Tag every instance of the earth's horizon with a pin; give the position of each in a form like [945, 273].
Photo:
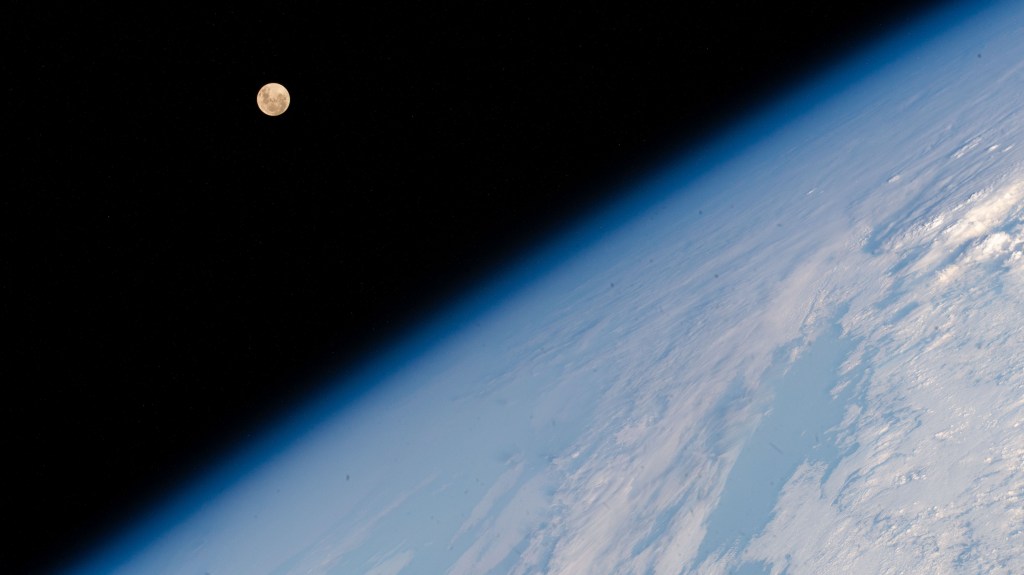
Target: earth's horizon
[801, 356]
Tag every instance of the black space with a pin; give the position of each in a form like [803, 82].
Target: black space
[177, 268]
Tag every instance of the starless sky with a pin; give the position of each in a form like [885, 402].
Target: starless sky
[178, 268]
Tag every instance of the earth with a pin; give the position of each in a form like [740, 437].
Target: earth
[800, 352]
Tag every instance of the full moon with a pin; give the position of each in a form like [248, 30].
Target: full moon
[273, 99]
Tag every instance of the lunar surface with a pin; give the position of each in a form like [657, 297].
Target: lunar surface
[273, 99]
[800, 353]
